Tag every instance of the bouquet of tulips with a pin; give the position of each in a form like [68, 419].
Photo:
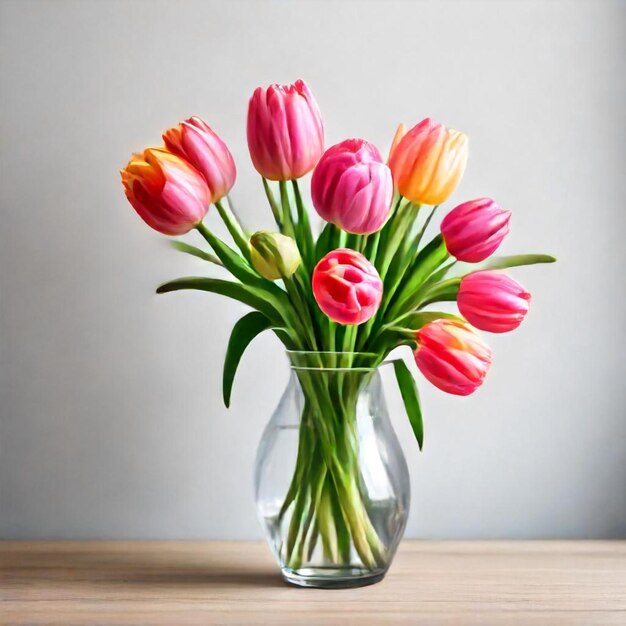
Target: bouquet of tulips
[361, 287]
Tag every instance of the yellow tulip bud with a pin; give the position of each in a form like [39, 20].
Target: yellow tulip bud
[274, 255]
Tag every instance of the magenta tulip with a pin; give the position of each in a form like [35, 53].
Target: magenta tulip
[167, 193]
[352, 187]
[474, 230]
[347, 287]
[492, 301]
[194, 141]
[452, 356]
[285, 131]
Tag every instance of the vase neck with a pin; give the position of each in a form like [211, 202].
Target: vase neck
[340, 361]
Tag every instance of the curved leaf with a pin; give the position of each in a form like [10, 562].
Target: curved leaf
[426, 262]
[416, 320]
[439, 275]
[238, 266]
[286, 339]
[243, 293]
[232, 261]
[503, 262]
[410, 396]
[445, 291]
[244, 331]
[197, 252]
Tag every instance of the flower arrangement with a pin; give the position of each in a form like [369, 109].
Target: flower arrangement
[362, 287]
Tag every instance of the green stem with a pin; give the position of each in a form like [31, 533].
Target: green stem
[302, 310]
[286, 209]
[371, 248]
[328, 487]
[234, 228]
[303, 229]
[418, 239]
[341, 528]
[273, 204]
[352, 241]
[331, 335]
[342, 239]
[231, 206]
[384, 248]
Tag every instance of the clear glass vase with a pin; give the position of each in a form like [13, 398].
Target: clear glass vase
[331, 482]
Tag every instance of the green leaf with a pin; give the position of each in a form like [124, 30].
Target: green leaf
[244, 331]
[502, 262]
[410, 396]
[233, 261]
[439, 275]
[197, 252]
[324, 241]
[286, 339]
[416, 320]
[445, 291]
[275, 296]
[427, 261]
[255, 298]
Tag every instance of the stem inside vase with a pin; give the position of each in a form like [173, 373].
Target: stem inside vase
[332, 485]
[325, 498]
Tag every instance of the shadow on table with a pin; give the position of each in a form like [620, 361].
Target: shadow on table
[136, 568]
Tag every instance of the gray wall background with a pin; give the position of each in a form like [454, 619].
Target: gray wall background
[111, 420]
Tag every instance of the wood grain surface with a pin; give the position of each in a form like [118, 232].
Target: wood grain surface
[201, 582]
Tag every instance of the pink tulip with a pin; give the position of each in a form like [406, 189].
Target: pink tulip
[492, 301]
[347, 287]
[194, 141]
[352, 187]
[452, 356]
[285, 131]
[474, 230]
[169, 195]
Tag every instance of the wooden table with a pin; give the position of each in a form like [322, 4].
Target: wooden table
[196, 582]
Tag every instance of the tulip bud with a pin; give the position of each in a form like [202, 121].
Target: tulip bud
[452, 356]
[347, 287]
[428, 162]
[274, 255]
[285, 131]
[167, 193]
[474, 230]
[492, 301]
[352, 188]
[194, 141]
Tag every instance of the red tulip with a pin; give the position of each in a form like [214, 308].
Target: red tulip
[169, 195]
[452, 356]
[194, 141]
[492, 301]
[473, 230]
[285, 131]
[352, 187]
[347, 287]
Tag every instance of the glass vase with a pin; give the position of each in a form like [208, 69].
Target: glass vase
[331, 482]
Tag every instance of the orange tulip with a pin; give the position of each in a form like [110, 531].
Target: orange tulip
[400, 132]
[167, 193]
[428, 162]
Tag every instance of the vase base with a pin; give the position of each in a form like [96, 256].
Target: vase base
[332, 577]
